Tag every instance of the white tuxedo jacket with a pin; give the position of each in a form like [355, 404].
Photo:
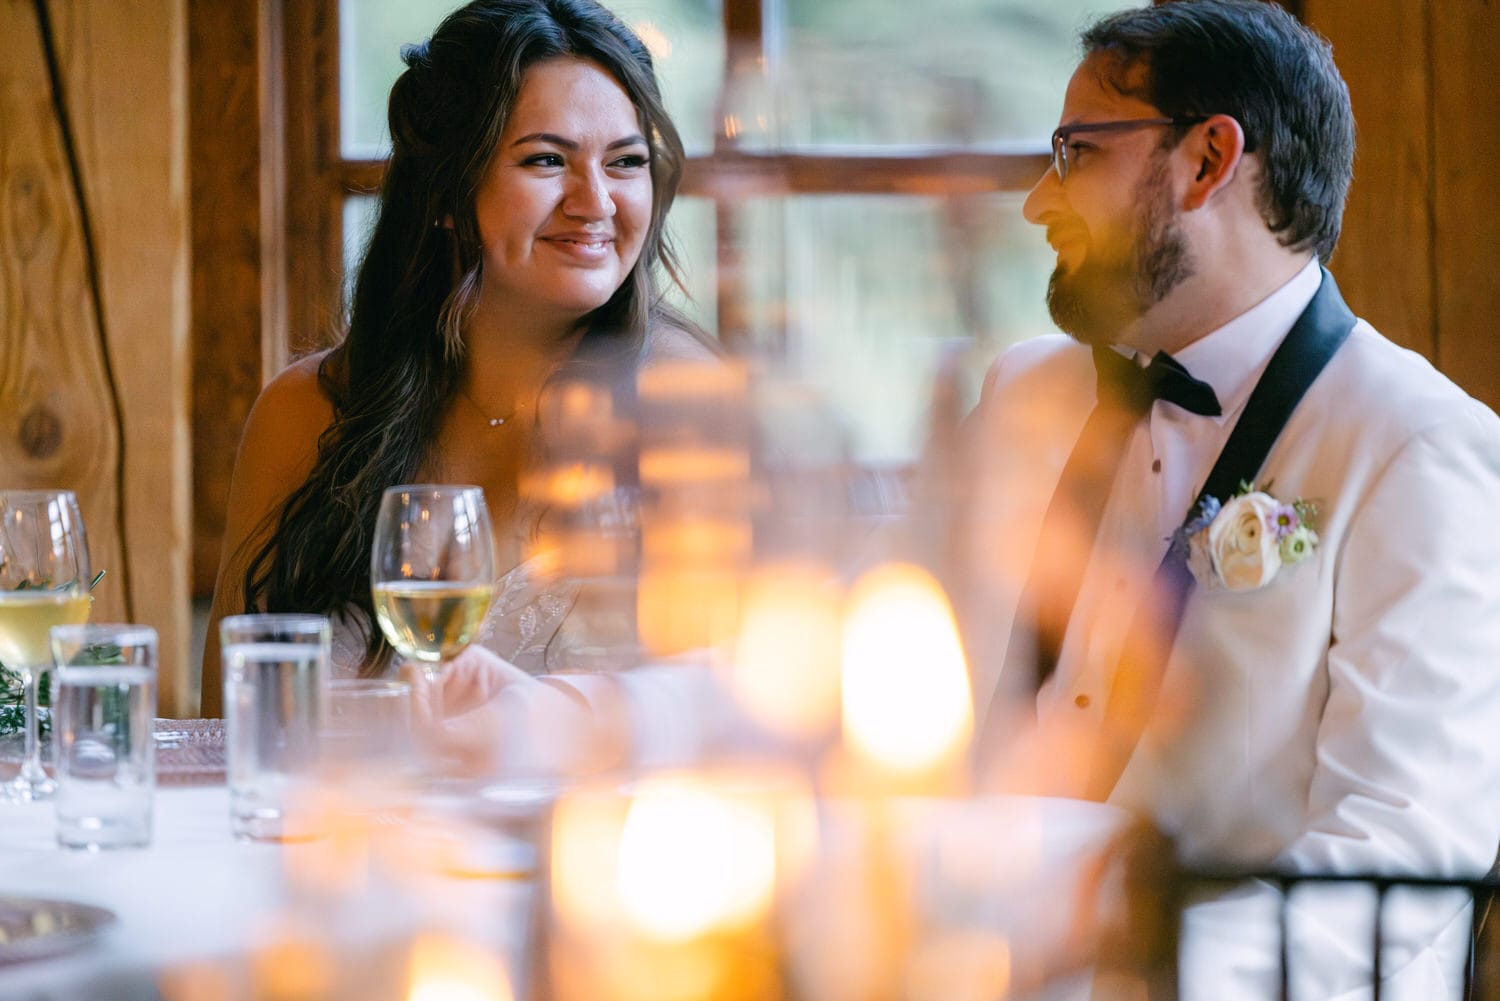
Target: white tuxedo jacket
[1344, 718]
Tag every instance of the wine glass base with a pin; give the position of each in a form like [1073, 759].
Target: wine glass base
[24, 790]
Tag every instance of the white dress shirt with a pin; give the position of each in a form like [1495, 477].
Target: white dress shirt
[1167, 459]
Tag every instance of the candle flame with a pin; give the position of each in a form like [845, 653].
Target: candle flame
[785, 668]
[446, 969]
[906, 695]
[693, 860]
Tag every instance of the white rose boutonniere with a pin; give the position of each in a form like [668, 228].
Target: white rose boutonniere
[1241, 544]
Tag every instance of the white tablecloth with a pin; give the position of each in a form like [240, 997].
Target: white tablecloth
[198, 899]
[198, 896]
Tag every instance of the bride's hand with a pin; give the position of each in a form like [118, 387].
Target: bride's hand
[468, 681]
[495, 715]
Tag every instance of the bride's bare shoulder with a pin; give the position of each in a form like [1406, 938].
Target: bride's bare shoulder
[280, 440]
[296, 394]
[669, 342]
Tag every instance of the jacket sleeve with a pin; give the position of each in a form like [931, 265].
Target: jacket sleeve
[1406, 775]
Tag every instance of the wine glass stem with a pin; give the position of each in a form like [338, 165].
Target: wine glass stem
[31, 763]
[434, 675]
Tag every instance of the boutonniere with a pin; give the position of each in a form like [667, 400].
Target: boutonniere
[1241, 544]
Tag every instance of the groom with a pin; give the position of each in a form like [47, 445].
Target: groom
[1264, 607]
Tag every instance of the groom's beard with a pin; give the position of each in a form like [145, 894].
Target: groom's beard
[1108, 291]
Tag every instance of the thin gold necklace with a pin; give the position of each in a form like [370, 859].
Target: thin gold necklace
[493, 422]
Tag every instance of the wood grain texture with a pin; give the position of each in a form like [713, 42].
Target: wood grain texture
[57, 424]
[228, 295]
[1384, 258]
[314, 191]
[60, 373]
[126, 70]
[1466, 194]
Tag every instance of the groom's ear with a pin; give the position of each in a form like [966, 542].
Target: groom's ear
[1213, 149]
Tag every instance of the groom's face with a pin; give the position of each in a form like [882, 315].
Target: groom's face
[1114, 221]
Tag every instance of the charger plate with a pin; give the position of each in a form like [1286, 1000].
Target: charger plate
[33, 927]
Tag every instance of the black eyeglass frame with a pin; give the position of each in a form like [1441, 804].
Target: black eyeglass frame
[1061, 135]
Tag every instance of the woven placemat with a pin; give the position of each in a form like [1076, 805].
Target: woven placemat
[189, 751]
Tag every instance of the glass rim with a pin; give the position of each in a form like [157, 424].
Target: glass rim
[286, 621]
[36, 493]
[396, 497]
[432, 488]
[123, 633]
[368, 685]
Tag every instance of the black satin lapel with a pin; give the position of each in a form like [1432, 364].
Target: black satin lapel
[1314, 339]
[1317, 334]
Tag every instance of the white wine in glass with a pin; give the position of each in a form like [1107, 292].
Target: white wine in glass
[432, 573]
[430, 621]
[44, 578]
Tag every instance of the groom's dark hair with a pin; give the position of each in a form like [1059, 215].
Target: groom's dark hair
[1255, 62]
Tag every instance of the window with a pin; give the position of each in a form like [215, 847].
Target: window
[852, 198]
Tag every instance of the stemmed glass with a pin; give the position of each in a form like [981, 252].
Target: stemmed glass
[432, 571]
[44, 578]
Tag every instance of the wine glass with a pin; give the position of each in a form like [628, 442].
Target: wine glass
[44, 581]
[432, 572]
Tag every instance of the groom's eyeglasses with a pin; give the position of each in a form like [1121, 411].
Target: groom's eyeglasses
[1061, 136]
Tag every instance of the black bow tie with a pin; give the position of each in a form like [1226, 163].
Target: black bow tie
[1136, 388]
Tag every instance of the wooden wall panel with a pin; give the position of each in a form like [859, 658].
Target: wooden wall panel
[314, 198]
[62, 370]
[60, 426]
[227, 236]
[127, 92]
[56, 396]
[1466, 195]
[1384, 258]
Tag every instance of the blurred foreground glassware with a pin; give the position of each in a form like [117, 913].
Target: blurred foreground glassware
[44, 575]
[667, 888]
[585, 490]
[368, 727]
[275, 673]
[599, 631]
[104, 703]
[696, 532]
[432, 571]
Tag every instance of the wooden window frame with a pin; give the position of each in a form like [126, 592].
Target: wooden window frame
[319, 178]
[270, 182]
[304, 307]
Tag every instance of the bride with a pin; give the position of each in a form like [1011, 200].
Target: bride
[519, 237]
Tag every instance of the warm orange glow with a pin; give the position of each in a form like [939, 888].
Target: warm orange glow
[906, 695]
[960, 966]
[197, 980]
[696, 540]
[585, 856]
[447, 969]
[292, 966]
[680, 855]
[684, 379]
[663, 888]
[686, 609]
[694, 860]
[571, 484]
[338, 863]
[693, 464]
[785, 670]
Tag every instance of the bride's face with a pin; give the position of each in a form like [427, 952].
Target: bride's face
[565, 203]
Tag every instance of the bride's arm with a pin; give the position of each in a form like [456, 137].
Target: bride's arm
[498, 717]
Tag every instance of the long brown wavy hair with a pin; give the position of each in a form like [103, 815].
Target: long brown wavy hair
[399, 365]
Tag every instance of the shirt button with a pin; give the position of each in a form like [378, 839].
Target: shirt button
[1156, 466]
[1081, 701]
